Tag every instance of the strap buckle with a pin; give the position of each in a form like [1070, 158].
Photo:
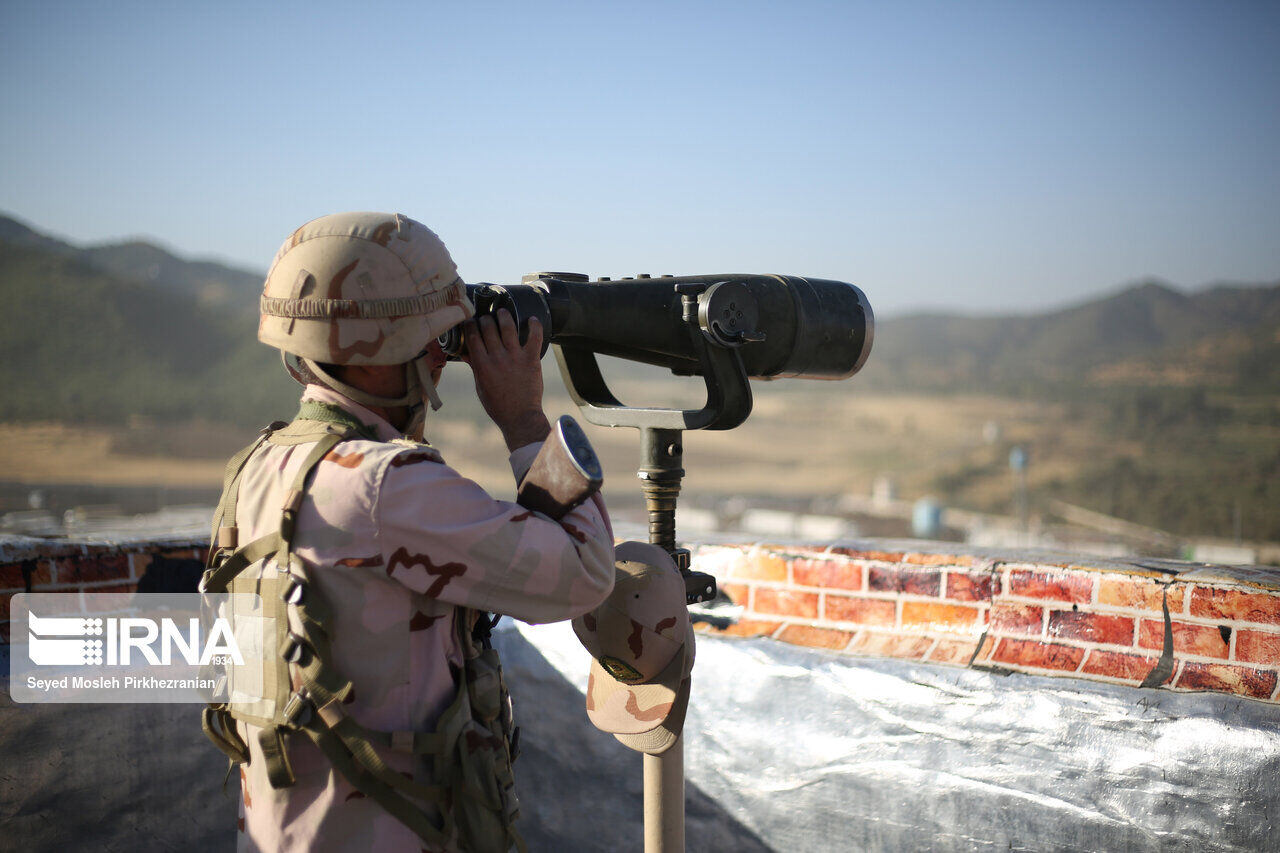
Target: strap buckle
[294, 646]
[295, 590]
[298, 710]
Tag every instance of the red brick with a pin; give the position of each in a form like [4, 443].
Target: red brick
[1242, 680]
[827, 573]
[905, 580]
[92, 568]
[739, 593]
[11, 576]
[4, 630]
[1058, 586]
[1007, 618]
[822, 638]
[891, 645]
[1118, 665]
[986, 645]
[5, 599]
[953, 651]
[1203, 640]
[1234, 604]
[1140, 594]
[745, 628]
[927, 616]
[759, 565]
[865, 611]
[785, 602]
[939, 560]
[973, 586]
[1039, 655]
[1091, 627]
[1258, 647]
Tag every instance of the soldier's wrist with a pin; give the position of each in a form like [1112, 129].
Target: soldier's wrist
[525, 429]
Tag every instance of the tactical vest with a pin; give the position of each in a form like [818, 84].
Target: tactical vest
[474, 742]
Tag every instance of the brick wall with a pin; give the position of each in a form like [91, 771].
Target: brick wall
[1101, 620]
[31, 565]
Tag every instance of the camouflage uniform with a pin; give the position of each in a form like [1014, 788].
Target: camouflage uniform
[394, 539]
[399, 541]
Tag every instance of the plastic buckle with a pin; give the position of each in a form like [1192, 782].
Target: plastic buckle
[298, 710]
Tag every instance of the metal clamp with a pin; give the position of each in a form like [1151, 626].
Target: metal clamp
[299, 708]
[295, 591]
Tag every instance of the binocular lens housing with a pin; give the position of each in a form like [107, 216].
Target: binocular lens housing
[782, 326]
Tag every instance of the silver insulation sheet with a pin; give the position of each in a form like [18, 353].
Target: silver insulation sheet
[788, 748]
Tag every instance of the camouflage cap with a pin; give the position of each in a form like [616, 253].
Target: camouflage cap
[643, 649]
[361, 288]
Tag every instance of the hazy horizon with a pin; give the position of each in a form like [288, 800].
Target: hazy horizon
[905, 312]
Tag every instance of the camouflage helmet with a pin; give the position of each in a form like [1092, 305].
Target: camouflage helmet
[361, 288]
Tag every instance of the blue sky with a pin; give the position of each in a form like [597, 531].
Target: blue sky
[975, 156]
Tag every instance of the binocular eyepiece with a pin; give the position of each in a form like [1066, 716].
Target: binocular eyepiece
[781, 326]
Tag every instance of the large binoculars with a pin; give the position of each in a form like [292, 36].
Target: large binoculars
[779, 325]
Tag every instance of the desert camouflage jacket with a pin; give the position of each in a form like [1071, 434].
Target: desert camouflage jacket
[397, 541]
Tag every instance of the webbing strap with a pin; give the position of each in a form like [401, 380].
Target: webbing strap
[289, 513]
[230, 489]
[217, 580]
[373, 787]
[279, 771]
[223, 734]
[322, 682]
[358, 746]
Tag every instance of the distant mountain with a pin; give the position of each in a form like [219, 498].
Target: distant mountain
[101, 333]
[80, 342]
[20, 234]
[1149, 333]
[211, 283]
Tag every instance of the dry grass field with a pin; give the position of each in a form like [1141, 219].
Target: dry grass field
[1197, 467]
[810, 446]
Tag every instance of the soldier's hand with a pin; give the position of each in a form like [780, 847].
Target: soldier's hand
[508, 376]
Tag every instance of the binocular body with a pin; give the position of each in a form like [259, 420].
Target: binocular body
[780, 326]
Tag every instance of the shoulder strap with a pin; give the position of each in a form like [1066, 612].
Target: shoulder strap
[230, 491]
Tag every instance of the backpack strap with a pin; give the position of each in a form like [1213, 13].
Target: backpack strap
[230, 493]
[316, 708]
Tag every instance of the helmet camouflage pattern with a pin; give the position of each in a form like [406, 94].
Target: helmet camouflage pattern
[361, 288]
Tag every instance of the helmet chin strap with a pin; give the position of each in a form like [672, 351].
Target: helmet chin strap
[418, 377]
[417, 381]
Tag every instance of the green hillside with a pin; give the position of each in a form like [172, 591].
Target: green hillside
[81, 344]
[210, 283]
[1149, 326]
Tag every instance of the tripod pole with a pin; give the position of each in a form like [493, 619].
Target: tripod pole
[660, 474]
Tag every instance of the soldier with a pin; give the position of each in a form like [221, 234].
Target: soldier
[383, 724]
